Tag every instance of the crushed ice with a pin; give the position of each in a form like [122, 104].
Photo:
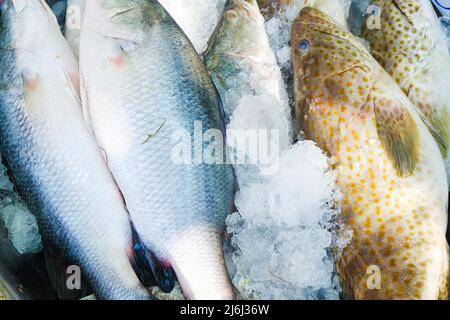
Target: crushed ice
[283, 234]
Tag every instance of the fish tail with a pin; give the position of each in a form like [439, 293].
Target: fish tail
[148, 268]
[200, 266]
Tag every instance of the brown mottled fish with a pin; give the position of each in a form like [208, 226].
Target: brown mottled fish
[410, 45]
[390, 170]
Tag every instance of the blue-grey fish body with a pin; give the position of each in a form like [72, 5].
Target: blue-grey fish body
[53, 157]
[143, 82]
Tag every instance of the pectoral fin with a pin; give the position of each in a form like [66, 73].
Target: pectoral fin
[398, 133]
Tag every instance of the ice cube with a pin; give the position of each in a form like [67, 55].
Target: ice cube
[21, 224]
[285, 229]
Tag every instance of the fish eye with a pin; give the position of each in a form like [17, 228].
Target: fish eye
[304, 46]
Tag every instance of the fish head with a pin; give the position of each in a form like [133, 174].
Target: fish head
[332, 68]
[240, 17]
[24, 25]
[242, 9]
[241, 23]
[125, 20]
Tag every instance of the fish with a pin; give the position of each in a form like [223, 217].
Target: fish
[74, 23]
[410, 45]
[390, 170]
[239, 57]
[245, 71]
[52, 156]
[143, 83]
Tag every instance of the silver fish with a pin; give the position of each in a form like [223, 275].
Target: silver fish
[53, 157]
[143, 81]
[240, 59]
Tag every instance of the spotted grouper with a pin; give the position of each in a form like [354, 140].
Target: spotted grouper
[390, 169]
[409, 43]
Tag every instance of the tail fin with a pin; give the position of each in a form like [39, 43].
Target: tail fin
[148, 268]
[200, 266]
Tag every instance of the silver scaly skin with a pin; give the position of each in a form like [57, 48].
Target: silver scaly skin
[54, 159]
[142, 81]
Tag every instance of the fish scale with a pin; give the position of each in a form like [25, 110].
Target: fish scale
[390, 170]
[143, 82]
[53, 157]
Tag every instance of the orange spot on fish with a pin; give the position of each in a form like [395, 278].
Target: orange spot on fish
[117, 59]
[377, 210]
